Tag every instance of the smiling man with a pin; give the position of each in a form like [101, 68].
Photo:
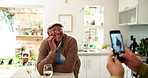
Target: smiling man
[60, 50]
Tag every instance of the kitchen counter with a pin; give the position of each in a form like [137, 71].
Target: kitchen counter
[9, 71]
[6, 71]
[21, 73]
[98, 52]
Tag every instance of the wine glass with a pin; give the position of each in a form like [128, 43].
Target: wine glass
[48, 70]
[30, 68]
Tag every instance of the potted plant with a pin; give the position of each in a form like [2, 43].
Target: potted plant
[143, 47]
[29, 31]
[6, 61]
[1, 61]
[39, 24]
[17, 61]
[33, 59]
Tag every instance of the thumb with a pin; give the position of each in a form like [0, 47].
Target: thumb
[117, 61]
[126, 56]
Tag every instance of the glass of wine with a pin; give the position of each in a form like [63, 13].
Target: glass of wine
[30, 68]
[48, 70]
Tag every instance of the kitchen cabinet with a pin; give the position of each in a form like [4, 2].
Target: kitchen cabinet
[103, 70]
[90, 66]
[133, 12]
[127, 72]
[93, 65]
[124, 4]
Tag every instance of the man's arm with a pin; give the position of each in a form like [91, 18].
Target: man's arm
[46, 56]
[71, 56]
[115, 77]
[143, 73]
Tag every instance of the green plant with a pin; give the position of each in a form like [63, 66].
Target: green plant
[39, 24]
[7, 19]
[6, 60]
[33, 58]
[88, 12]
[23, 48]
[1, 60]
[10, 59]
[29, 31]
[143, 47]
[17, 61]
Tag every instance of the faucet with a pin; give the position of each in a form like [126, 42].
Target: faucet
[134, 44]
[86, 48]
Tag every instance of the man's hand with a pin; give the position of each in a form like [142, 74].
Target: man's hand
[114, 66]
[51, 41]
[131, 60]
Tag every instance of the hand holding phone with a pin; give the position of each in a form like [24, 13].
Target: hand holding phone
[117, 44]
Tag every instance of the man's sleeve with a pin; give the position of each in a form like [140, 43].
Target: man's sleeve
[143, 73]
[115, 77]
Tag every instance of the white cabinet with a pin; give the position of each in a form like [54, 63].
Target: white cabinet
[124, 4]
[127, 72]
[103, 70]
[133, 12]
[90, 66]
[94, 66]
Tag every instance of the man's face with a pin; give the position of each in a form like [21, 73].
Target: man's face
[57, 32]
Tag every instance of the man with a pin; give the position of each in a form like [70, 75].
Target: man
[60, 50]
[116, 70]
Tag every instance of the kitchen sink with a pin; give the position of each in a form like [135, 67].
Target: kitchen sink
[86, 51]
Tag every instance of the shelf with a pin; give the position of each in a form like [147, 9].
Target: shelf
[29, 28]
[25, 57]
[28, 36]
[18, 53]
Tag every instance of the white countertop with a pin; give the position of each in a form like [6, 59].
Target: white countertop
[21, 73]
[6, 71]
[98, 52]
[9, 71]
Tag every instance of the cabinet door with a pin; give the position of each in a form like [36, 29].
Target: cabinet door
[103, 70]
[123, 18]
[127, 72]
[82, 72]
[93, 66]
[124, 4]
[90, 67]
[129, 16]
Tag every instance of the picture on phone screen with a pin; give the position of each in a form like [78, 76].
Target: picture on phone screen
[117, 44]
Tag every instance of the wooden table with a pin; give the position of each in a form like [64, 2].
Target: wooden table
[21, 73]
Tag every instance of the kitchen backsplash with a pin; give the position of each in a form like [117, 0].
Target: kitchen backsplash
[138, 32]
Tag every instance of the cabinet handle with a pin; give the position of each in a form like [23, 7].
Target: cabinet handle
[126, 7]
[84, 63]
[89, 64]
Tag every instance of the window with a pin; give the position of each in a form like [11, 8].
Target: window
[94, 37]
[94, 15]
[6, 21]
[93, 18]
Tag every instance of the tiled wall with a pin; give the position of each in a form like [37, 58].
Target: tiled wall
[139, 32]
[23, 20]
[31, 43]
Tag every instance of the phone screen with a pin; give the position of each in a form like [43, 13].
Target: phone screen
[117, 44]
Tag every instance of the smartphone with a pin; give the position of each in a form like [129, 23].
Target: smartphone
[117, 44]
